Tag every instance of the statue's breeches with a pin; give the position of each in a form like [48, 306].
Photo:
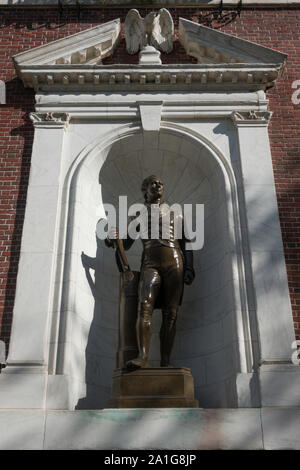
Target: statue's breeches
[161, 276]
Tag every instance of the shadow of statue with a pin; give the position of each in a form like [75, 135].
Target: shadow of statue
[127, 314]
[92, 400]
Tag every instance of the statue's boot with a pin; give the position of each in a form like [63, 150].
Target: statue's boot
[138, 363]
[167, 336]
[144, 332]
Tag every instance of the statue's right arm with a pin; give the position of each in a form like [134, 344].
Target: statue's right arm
[113, 234]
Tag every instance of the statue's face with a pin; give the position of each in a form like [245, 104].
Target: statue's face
[155, 189]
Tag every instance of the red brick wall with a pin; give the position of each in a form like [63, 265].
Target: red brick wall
[278, 29]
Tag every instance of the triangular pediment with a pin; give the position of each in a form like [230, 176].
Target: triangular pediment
[210, 46]
[75, 63]
[86, 47]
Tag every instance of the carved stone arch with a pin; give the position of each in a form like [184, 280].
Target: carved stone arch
[202, 326]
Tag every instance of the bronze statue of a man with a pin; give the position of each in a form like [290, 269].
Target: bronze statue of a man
[166, 266]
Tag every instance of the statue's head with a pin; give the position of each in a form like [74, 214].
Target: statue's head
[152, 188]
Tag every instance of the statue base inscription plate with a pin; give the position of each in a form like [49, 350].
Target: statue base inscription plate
[153, 387]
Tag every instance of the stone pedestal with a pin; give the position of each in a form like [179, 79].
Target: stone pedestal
[164, 387]
[149, 56]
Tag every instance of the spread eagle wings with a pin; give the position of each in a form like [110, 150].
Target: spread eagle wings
[135, 34]
[163, 31]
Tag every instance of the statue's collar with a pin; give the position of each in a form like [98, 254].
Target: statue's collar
[149, 204]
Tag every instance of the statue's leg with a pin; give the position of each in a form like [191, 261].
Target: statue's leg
[144, 333]
[148, 291]
[167, 334]
[173, 284]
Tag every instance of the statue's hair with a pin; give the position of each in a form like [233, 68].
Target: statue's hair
[146, 182]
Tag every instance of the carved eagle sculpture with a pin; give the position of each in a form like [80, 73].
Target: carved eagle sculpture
[156, 29]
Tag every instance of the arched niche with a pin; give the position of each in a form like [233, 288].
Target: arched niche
[212, 323]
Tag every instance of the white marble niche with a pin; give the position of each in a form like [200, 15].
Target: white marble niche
[210, 339]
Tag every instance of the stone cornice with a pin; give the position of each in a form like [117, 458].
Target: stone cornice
[136, 77]
[74, 63]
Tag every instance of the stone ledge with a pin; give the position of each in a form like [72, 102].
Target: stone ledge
[132, 429]
[193, 429]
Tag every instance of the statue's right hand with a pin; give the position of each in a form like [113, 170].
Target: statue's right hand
[113, 233]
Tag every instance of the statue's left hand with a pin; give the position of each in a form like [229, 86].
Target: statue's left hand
[189, 277]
